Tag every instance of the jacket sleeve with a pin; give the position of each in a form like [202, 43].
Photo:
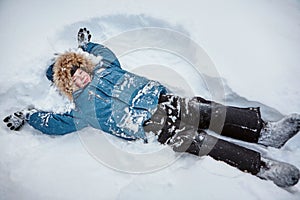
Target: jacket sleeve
[56, 124]
[108, 57]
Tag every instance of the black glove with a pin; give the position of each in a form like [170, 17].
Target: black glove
[83, 37]
[18, 119]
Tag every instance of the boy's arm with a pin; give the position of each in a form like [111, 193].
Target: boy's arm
[108, 57]
[56, 124]
[47, 122]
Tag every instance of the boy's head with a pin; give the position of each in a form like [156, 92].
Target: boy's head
[72, 71]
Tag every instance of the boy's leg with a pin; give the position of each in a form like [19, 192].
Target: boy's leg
[246, 123]
[238, 123]
[247, 160]
[200, 144]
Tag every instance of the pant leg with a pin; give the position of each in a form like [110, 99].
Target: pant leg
[245, 159]
[243, 124]
[239, 123]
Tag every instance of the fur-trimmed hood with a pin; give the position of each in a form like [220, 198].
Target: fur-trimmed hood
[62, 70]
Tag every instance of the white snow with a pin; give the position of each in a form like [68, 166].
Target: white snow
[255, 48]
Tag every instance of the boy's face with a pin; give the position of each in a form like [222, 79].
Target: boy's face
[81, 78]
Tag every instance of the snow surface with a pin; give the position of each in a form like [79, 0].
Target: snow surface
[255, 48]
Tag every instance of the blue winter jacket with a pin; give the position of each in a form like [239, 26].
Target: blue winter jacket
[115, 101]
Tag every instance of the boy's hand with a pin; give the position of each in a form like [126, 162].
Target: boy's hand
[83, 37]
[16, 120]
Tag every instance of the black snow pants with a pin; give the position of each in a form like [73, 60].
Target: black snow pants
[180, 123]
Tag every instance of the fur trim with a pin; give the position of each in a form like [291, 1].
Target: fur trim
[62, 70]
